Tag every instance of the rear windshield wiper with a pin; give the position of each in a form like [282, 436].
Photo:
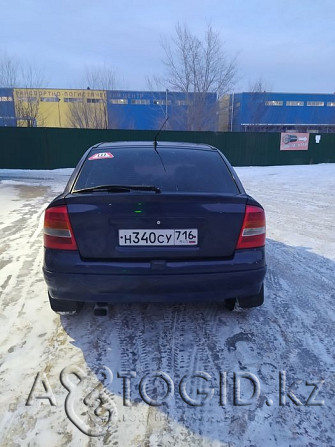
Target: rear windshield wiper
[119, 188]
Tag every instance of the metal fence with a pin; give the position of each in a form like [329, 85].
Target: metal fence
[52, 148]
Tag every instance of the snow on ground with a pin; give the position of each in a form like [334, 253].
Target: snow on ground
[307, 193]
[287, 344]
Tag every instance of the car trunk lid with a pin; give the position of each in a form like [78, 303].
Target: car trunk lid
[99, 219]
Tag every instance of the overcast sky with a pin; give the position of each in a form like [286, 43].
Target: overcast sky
[289, 43]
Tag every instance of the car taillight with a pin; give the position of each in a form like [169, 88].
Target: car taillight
[253, 229]
[58, 232]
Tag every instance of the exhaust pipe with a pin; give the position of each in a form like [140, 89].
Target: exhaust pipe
[100, 309]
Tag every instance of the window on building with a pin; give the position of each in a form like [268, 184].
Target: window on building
[94, 100]
[118, 101]
[181, 102]
[315, 103]
[331, 104]
[73, 100]
[273, 103]
[140, 101]
[28, 98]
[51, 99]
[159, 102]
[295, 103]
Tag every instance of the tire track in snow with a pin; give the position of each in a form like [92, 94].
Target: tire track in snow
[292, 332]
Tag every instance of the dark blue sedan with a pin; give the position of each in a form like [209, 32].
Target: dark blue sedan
[153, 222]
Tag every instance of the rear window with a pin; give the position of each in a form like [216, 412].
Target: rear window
[172, 170]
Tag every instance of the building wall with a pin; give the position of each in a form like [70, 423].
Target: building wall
[270, 111]
[108, 109]
[7, 110]
[137, 110]
[59, 107]
[141, 110]
[148, 110]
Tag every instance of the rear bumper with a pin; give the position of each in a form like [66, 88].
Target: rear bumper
[70, 278]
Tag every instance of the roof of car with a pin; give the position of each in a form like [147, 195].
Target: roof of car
[160, 144]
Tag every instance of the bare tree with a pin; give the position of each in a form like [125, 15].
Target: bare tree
[9, 72]
[259, 85]
[88, 112]
[197, 67]
[28, 96]
[101, 78]
[26, 79]
[91, 112]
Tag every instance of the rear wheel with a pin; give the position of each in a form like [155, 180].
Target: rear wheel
[253, 300]
[65, 307]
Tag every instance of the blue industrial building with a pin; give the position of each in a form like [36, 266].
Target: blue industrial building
[281, 112]
[124, 109]
[143, 110]
[147, 110]
[7, 109]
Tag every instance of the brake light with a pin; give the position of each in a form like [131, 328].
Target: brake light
[253, 229]
[58, 232]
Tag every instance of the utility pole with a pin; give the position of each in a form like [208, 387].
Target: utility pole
[166, 103]
[232, 112]
[59, 120]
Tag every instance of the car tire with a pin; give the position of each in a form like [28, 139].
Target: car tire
[253, 300]
[65, 307]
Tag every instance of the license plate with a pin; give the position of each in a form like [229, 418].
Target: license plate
[188, 236]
